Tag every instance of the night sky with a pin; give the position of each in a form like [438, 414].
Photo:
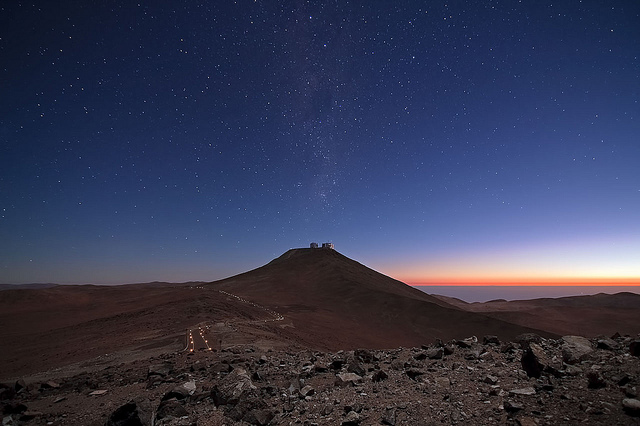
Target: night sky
[433, 141]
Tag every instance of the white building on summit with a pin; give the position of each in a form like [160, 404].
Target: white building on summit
[324, 246]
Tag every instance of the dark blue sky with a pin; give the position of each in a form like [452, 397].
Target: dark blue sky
[429, 140]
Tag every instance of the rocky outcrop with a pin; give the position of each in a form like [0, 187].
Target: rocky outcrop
[533, 381]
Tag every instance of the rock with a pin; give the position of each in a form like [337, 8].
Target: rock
[491, 340]
[347, 379]
[365, 356]
[474, 352]
[435, 353]
[171, 408]
[19, 386]
[575, 349]
[355, 367]
[631, 407]
[161, 370]
[523, 391]
[443, 382]
[379, 376]
[49, 385]
[320, 367]
[491, 380]
[595, 380]
[508, 347]
[6, 392]
[352, 419]
[98, 392]
[307, 391]
[232, 388]
[127, 415]
[336, 364]
[14, 408]
[260, 417]
[572, 370]
[29, 415]
[512, 407]
[527, 421]
[526, 338]
[414, 373]
[607, 344]
[466, 343]
[179, 393]
[634, 347]
[389, 416]
[534, 360]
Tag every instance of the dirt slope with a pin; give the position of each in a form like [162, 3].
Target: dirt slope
[336, 303]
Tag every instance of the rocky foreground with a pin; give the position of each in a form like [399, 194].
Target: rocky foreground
[532, 381]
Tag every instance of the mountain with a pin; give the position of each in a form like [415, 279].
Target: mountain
[317, 299]
[591, 315]
[337, 303]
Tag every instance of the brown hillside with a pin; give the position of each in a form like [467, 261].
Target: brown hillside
[592, 315]
[336, 303]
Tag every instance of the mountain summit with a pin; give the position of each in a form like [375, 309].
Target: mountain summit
[334, 302]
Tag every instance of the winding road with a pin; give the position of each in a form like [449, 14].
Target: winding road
[201, 336]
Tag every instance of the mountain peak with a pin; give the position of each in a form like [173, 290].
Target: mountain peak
[335, 302]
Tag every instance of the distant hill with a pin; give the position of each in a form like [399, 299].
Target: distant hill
[592, 315]
[25, 286]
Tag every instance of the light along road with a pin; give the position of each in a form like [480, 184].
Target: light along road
[274, 315]
[199, 338]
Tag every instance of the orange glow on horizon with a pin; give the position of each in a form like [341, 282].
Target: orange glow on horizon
[573, 281]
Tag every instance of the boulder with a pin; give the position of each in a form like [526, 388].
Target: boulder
[161, 370]
[181, 392]
[49, 385]
[364, 355]
[128, 414]
[534, 360]
[631, 407]
[19, 386]
[491, 340]
[512, 406]
[595, 380]
[232, 388]
[414, 373]
[347, 379]
[171, 408]
[307, 391]
[466, 343]
[491, 380]
[435, 353]
[526, 338]
[261, 417]
[523, 391]
[575, 349]
[379, 376]
[351, 419]
[634, 348]
[389, 416]
[607, 344]
[355, 367]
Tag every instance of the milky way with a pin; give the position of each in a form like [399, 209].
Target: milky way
[150, 141]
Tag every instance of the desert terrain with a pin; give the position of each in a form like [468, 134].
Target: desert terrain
[312, 337]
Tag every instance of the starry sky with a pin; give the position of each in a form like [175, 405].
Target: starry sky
[436, 142]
